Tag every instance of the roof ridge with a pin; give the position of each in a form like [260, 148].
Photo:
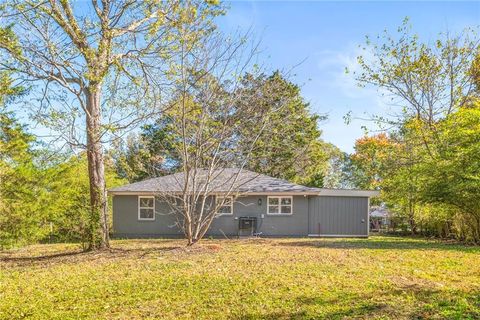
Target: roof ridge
[248, 180]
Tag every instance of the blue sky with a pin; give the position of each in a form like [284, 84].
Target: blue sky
[326, 35]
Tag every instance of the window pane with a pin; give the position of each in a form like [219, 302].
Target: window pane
[286, 201]
[272, 201]
[272, 209]
[286, 209]
[226, 201]
[146, 213]
[225, 210]
[146, 202]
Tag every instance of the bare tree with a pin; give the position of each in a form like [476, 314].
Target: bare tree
[424, 80]
[208, 118]
[99, 62]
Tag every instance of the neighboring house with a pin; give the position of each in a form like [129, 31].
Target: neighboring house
[380, 218]
[270, 206]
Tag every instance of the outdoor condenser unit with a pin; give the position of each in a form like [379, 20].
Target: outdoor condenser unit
[247, 226]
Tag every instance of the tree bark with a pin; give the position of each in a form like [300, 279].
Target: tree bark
[411, 217]
[99, 236]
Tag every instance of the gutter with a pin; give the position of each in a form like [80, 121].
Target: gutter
[322, 192]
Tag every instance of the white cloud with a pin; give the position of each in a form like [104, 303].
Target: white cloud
[336, 64]
[337, 93]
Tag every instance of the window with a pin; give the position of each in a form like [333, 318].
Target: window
[280, 205]
[146, 208]
[227, 207]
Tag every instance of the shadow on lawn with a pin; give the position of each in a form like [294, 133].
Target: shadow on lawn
[79, 255]
[345, 306]
[395, 244]
[307, 308]
[426, 303]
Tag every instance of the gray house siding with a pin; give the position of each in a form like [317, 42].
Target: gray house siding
[126, 223]
[295, 224]
[334, 216]
[311, 215]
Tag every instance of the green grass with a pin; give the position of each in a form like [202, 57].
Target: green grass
[376, 278]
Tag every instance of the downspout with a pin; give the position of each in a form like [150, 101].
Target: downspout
[368, 217]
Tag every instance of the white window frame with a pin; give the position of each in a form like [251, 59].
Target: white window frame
[278, 213]
[140, 207]
[219, 214]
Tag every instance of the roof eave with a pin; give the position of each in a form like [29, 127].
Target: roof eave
[349, 193]
[253, 193]
[321, 192]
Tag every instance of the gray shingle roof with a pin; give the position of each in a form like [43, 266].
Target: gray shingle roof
[222, 179]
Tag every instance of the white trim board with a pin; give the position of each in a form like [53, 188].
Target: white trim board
[225, 205]
[279, 206]
[139, 218]
[322, 193]
[348, 193]
[235, 194]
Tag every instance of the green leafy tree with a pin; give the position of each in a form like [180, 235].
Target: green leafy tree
[67, 201]
[131, 158]
[419, 169]
[21, 209]
[99, 65]
[390, 162]
[424, 81]
[341, 171]
[453, 176]
[149, 154]
[290, 147]
[19, 197]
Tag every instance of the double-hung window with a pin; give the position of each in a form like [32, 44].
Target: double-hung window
[146, 208]
[280, 205]
[227, 206]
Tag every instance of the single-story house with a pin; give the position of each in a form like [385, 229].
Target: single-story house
[264, 205]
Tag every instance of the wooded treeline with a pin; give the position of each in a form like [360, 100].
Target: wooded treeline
[427, 163]
[44, 194]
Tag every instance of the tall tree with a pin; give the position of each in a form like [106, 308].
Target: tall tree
[340, 172]
[66, 202]
[372, 160]
[149, 154]
[452, 178]
[99, 63]
[429, 86]
[421, 80]
[290, 147]
[17, 170]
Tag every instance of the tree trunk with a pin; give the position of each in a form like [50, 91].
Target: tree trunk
[411, 217]
[98, 237]
[476, 231]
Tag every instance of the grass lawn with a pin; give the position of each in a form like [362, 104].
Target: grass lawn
[376, 278]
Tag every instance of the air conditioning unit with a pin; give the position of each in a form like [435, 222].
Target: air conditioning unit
[247, 226]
